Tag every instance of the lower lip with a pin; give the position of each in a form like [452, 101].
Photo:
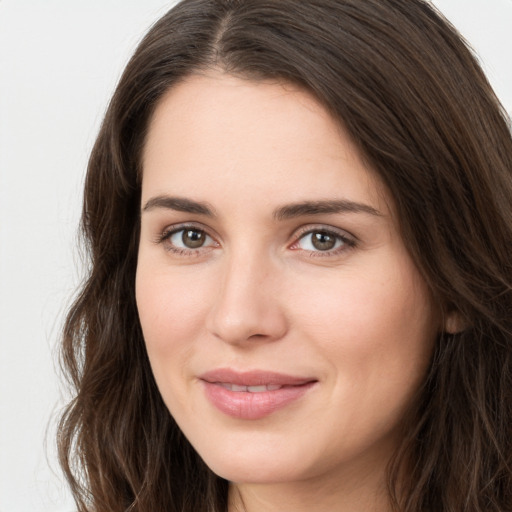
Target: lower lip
[253, 406]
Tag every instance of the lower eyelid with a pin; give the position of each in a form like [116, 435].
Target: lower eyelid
[332, 253]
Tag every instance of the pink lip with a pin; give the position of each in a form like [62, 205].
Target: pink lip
[253, 405]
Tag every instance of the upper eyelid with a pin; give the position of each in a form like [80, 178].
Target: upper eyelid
[311, 228]
[173, 228]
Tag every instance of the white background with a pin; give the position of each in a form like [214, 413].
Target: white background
[59, 62]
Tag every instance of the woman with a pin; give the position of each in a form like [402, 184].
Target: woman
[299, 221]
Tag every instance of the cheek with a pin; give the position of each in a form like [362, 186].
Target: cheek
[377, 334]
[171, 312]
[363, 305]
[373, 322]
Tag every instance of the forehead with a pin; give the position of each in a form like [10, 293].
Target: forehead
[221, 134]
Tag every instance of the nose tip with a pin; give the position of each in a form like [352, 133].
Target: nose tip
[235, 328]
[247, 308]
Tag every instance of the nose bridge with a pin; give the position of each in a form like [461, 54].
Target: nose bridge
[247, 305]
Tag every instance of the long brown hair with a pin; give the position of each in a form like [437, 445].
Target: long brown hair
[407, 89]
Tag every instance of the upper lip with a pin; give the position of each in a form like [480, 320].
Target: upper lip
[253, 378]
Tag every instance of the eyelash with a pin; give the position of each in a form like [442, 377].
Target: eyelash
[168, 233]
[345, 242]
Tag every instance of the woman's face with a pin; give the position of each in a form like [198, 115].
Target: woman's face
[286, 324]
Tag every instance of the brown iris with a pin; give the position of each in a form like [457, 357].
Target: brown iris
[193, 238]
[323, 241]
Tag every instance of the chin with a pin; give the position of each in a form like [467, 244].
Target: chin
[256, 473]
[255, 465]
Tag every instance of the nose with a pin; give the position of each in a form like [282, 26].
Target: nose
[248, 305]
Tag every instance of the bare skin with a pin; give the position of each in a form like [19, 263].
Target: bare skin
[268, 246]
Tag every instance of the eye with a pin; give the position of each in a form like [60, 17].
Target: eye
[323, 241]
[189, 238]
[186, 240]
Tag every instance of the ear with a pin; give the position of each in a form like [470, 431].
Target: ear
[454, 323]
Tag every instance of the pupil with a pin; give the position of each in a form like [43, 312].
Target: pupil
[323, 241]
[192, 238]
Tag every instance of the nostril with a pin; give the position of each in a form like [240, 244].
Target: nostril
[255, 326]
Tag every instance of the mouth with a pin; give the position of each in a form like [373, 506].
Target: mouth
[248, 389]
[253, 379]
[253, 395]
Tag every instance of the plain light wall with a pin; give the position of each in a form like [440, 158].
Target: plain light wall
[59, 63]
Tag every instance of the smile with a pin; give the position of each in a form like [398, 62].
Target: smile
[253, 395]
[249, 389]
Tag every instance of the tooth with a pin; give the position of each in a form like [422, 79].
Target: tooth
[256, 389]
[250, 389]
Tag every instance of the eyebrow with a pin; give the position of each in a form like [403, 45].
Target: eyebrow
[323, 207]
[179, 204]
[289, 211]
